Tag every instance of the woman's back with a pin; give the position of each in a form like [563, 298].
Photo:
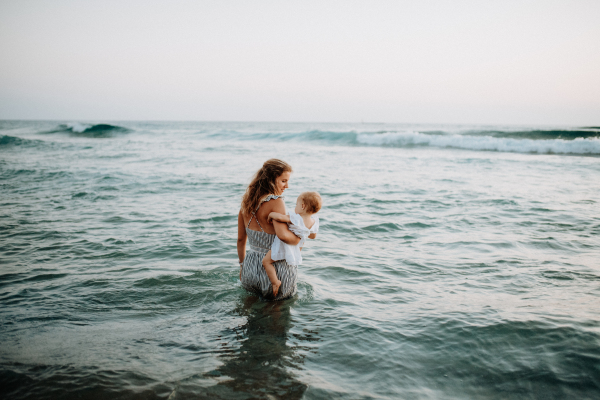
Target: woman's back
[275, 204]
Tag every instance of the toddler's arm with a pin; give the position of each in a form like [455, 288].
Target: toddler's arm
[278, 217]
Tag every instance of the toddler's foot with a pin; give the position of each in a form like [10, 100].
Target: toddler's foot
[276, 288]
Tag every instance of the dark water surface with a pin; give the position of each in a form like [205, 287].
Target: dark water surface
[452, 262]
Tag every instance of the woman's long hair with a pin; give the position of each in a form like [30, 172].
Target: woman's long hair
[263, 183]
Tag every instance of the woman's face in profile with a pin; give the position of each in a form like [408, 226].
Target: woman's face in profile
[281, 183]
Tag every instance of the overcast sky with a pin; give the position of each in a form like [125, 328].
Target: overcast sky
[510, 62]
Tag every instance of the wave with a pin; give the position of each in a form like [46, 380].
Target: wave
[6, 140]
[579, 141]
[578, 145]
[566, 134]
[10, 140]
[90, 130]
[583, 140]
[330, 136]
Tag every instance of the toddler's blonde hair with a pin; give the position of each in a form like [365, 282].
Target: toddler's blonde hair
[312, 201]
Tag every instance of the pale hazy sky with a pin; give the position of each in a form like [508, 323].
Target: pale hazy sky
[512, 62]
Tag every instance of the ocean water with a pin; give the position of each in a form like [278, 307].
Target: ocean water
[453, 262]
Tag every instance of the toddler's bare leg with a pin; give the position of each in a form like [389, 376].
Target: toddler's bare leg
[271, 273]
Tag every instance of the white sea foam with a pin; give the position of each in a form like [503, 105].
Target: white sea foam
[78, 127]
[411, 138]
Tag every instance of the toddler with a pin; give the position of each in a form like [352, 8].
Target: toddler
[304, 224]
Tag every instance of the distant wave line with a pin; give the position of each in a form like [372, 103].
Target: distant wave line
[489, 143]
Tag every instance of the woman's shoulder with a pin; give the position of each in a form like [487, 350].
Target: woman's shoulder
[270, 197]
[273, 202]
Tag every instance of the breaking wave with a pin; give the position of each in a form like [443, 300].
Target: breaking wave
[566, 134]
[90, 130]
[6, 140]
[584, 141]
[578, 145]
[574, 141]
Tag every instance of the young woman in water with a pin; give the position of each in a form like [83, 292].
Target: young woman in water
[264, 196]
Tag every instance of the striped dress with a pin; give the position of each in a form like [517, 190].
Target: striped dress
[254, 276]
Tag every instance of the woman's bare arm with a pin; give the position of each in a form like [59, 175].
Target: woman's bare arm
[278, 217]
[281, 229]
[241, 240]
[284, 234]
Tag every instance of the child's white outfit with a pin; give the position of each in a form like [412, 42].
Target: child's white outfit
[291, 254]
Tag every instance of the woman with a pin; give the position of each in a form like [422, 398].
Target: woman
[263, 196]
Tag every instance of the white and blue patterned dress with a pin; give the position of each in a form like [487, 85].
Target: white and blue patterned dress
[254, 276]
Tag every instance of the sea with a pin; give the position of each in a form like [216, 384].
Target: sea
[452, 262]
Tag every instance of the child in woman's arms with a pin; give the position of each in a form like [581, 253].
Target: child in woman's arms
[304, 224]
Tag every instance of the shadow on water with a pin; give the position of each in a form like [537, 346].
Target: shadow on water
[263, 365]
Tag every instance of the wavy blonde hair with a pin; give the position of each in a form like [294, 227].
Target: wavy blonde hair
[263, 183]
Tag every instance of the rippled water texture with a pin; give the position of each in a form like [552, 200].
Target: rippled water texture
[452, 262]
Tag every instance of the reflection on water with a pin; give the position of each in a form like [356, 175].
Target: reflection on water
[263, 365]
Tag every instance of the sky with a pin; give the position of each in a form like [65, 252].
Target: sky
[480, 62]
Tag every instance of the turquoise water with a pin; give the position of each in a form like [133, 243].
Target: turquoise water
[452, 262]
